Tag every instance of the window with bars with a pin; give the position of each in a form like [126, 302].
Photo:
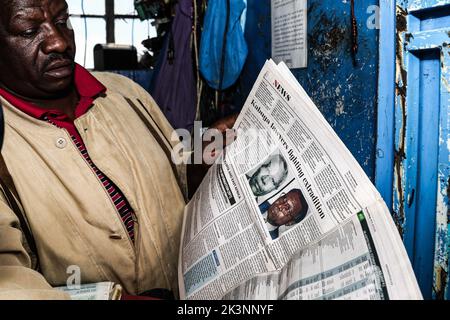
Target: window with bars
[106, 21]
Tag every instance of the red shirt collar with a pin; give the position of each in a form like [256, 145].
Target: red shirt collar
[88, 88]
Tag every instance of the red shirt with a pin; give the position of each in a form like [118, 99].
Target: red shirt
[88, 87]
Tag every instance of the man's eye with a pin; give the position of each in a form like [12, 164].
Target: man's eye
[29, 33]
[267, 180]
[61, 21]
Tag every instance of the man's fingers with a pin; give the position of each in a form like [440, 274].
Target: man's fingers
[226, 123]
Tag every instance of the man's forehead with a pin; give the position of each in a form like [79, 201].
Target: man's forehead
[16, 6]
[293, 195]
[275, 165]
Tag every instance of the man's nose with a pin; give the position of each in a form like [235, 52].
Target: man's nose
[54, 41]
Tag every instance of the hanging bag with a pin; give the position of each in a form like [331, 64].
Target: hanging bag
[223, 55]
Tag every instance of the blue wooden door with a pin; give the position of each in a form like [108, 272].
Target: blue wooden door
[422, 139]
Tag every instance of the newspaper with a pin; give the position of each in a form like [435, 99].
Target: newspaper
[289, 32]
[288, 213]
[96, 291]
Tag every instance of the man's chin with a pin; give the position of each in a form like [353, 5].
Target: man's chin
[57, 89]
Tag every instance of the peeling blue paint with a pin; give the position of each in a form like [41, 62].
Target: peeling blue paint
[425, 4]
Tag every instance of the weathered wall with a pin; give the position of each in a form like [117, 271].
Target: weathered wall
[345, 94]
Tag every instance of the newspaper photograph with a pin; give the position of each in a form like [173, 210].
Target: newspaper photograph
[288, 213]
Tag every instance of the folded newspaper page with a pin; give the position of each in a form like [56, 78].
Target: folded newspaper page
[95, 291]
[288, 213]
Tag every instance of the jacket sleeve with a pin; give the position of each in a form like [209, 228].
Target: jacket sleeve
[17, 280]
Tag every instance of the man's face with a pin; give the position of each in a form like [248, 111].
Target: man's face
[285, 209]
[268, 177]
[37, 48]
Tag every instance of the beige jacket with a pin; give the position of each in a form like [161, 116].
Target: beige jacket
[72, 218]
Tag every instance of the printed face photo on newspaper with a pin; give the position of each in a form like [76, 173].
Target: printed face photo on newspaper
[269, 176]
[280, 201]
[288, 210]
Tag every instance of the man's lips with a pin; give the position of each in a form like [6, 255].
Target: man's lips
[59, 69]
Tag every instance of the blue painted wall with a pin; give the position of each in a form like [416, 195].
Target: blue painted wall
[346, 95]
[142, 77]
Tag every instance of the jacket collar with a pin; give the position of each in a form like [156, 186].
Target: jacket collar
[87, 86]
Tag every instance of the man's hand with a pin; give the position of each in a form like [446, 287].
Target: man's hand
[226, 123]
[225, 128]
[196, 171]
